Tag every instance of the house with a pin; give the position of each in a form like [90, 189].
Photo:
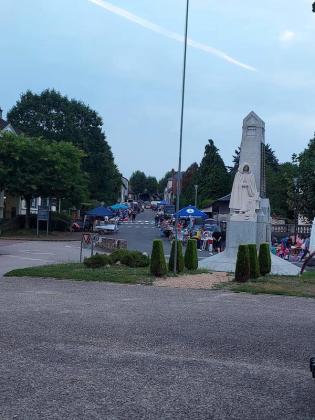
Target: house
[124, 190]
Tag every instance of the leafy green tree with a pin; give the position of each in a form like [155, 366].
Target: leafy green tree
[151, 185]
[33, 167]
[55, 117]
[138, 182]
[189, 180]
[213, 177]
[307, 180]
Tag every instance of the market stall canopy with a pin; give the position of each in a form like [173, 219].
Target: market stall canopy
[100, 212]
[119, 206]
[162, 203]
[190, 211]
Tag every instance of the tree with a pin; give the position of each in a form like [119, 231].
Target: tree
[138, 182]
[213, 177]
[151, 185]
[55, 117]
[307, 180]
[33, 167]
[189, 180]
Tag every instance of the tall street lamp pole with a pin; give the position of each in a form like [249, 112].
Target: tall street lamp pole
[181, 136]
[196, 194]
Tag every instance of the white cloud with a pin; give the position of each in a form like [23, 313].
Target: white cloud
[287, 36]
[168, 34]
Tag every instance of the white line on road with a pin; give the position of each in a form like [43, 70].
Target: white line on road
[30, 259]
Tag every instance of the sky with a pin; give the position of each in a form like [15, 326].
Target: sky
[124, 59]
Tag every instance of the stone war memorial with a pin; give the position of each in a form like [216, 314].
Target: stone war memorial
[249, 220]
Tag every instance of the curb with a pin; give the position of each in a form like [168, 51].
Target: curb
[13, 238]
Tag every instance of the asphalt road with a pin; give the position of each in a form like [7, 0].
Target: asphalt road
[76, 350]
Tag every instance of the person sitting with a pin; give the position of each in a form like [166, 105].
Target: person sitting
[217, 236]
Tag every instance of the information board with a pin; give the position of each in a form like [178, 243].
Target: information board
[169, 209]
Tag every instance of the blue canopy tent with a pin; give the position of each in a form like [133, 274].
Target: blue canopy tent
[190, 211]
[100, 212]
[162, 203]
[119, 207]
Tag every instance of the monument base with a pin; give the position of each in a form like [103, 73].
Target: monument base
[224, 261]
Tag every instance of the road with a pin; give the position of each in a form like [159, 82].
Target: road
[19, 254]
[76, 350]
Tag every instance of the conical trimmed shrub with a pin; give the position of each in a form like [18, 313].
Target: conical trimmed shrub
[253, 261]
[264, 259]
[158, 264]
[242, 269]
[191, 256]
[180, 258]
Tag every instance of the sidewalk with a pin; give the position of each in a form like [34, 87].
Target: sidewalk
[52, 237]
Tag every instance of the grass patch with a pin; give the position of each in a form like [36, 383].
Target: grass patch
[77, 271]
[301, 286]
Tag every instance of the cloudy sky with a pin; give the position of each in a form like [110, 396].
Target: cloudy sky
[124, 59]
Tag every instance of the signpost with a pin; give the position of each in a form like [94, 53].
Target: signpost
[88, 241]
[170, 209]
[43, 216]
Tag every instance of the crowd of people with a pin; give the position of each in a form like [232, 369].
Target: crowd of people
[211, 240]
[291, 248]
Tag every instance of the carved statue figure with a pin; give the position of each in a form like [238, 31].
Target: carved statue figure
[244, 197]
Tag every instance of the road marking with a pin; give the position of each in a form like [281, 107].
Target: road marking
[30, 259]
[39, 253]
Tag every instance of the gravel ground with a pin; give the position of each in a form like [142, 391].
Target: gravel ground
[196, 281]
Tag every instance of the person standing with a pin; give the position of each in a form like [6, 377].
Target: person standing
[306, 247]
[133, 216]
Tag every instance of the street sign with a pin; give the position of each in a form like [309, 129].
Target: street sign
[43, 215]
[169, 209]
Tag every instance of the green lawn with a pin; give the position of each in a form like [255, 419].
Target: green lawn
[76, 271]
[302, 286]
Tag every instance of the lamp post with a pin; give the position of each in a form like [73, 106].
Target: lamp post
[181, 135]
[196, 194]
[296, 214]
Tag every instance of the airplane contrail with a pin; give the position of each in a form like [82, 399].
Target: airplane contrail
[168, 34]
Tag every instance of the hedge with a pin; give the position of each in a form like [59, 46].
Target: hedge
[242, 269]
[264, 259]
[180, 258]
[97, 261]
[191, 256]
[253, 261]
[158, 265]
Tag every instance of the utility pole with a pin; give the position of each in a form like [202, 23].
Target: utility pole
[196, 194]
[181, 136]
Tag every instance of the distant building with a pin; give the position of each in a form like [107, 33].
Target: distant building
[124, 190]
